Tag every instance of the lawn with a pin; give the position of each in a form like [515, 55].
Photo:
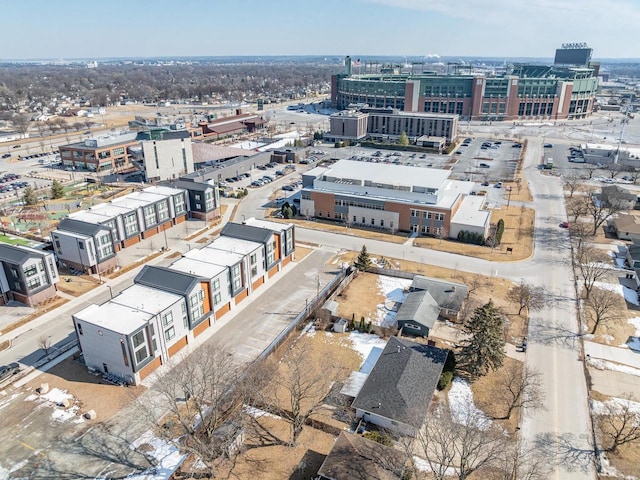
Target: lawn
[518, 236]
[11, 240]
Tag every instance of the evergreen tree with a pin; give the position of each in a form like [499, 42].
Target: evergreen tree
[403, 139]
[29, 196]
[484, 349]
[57, 190]
[363, 262]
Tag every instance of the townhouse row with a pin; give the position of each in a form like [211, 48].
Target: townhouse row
[89, 240]
[147, 324]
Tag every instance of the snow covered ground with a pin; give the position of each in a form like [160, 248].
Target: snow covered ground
[364, 342]
[629, 294]
[394, 291]
[462, 406]
[168, 457]
[605, 365]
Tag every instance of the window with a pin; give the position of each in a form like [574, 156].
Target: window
[167, 319]
[439, 217]
[79, 328]
[381, 223]
[130, 224]
[41, 266]
[124, 353]
[197, 196]
[414, 213]
[184, 307]
[163, 211]
[253, 258]
[30, 271]
[141, 354]
[216, 284]
[199, 206]
[169, 333]
[425, 229]
[138, 339]
[33, 283]
[81, 245]
[373, 221]
[179, 204]
[201, 295]
[193, 299]
[149, 216]
[217, 298]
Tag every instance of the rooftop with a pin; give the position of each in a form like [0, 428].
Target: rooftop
[17, 253]
[215, 256]
[147, 299]
[402, 382]
[198, 267]
[275, 226]
[419, 307]
[166, 279]
[235, 245]
[246, 232]
[470, 212]
[115, 317]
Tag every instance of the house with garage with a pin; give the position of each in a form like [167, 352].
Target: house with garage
[397, 393]
[449, 296]
[626, 227]
[355, 457]
[193, 288]
[27, 275]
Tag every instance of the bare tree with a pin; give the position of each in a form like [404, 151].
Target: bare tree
[576, 207]
[573, 182]
[527, 296]
[44, 342]
[297, 386]
[604, 306]
[591, 169]
[579, 232]
[601, 207]
[592, 264]
[198, 397]
[618, 425]
[21, 124]
[518, 386]
[614, 169]
[522, 460]
[466, 445]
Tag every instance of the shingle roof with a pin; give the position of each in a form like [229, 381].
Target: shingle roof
[402, 382]
[446, 294]
[246, 232]
[78, 226]
[356, 458]
[167, 279]
[419, 307]
[17, 254]
[627, 223]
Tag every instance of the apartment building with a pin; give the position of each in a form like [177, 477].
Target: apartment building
[27, 275]
[99, 154]
[81, 242]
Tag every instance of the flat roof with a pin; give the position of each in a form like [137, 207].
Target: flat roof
[234, 245]
[163, 190]
[130, 202]
[470, 212]
[147, 299]
[110, 209]
[69, 233]
[198, 267]
[115, 317]
[212, 255]
[276, 226]
[148, 196]
[385, 174]
[90, 216]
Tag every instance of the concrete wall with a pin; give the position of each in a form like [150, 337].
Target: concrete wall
[74, 249]
[167, 159]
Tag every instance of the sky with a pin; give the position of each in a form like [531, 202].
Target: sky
[93, 29]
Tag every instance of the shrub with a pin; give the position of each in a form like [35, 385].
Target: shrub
[445, 380]
[379, 437]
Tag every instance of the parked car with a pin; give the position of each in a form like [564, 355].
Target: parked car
[458, 152]
[548, 145]
[288, 188]
[279, 173]
[484, 165]
[516, 145]
[498, 185]
[485, 184]
[564, 225]
[6, 155]
[16, 146]
[261, 167]
[7, 370]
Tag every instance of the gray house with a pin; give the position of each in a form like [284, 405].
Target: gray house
[397, 393]
[27, 275]
[448, 295]
[418, 314]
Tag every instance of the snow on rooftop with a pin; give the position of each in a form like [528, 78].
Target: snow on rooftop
[167, 456]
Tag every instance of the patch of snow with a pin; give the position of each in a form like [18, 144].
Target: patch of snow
[62, 415]
[608, 338]
[462, 406]
[423, 466]
[30, 398]
[600, 408]
[168, 457]
[635, 321]
[629, 294]
[394, 291]
[620, 262]
[55, 395]
[364, 342]
[7, 401]
[309, 330]
[257, 413]
[605, 365]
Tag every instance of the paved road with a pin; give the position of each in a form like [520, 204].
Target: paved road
[554, 346]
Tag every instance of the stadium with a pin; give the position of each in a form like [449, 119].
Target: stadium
[564, 90]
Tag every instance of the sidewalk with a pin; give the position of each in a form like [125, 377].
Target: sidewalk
[623, 356]
[75, 303]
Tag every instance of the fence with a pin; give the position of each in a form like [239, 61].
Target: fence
[335, 286]
[391, 272]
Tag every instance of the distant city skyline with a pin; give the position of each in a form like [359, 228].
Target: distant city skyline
[500, 28]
